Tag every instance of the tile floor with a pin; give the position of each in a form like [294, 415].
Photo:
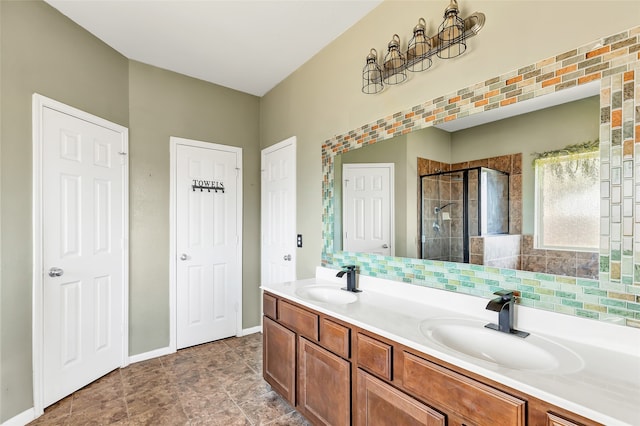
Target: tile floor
[218, 383]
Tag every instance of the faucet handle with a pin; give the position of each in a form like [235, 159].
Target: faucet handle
[507, 294]
[349, 267]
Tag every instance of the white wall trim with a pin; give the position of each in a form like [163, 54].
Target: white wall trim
[251, 330]
[173, 144]
[39, 103]
[21, 419]
[156, 353]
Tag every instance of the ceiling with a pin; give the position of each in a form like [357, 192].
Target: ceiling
[246, 45]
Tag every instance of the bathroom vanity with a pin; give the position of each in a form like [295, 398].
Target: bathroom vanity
[399, 354]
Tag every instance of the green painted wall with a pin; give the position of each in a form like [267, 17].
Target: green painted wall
[164, 104]
[42, 51]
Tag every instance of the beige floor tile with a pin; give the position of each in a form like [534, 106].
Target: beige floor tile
[265, 409]
[215, 384]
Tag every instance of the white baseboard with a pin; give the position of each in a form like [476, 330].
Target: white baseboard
[166, 351]
[21, 419]
[252, 330]
[150, 355]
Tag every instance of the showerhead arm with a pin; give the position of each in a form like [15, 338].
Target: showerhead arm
[438, 209]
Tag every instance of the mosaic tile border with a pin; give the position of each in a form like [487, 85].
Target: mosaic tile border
[615, 296]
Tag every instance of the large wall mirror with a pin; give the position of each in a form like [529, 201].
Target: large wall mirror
[587, 94]
[429, 206]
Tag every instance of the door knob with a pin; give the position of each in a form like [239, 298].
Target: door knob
[56, 272]
[385, 246]
[183, 256]
[287, 257]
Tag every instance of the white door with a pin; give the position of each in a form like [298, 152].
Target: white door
[83, 178]
[278, 212]
[209, 257]
[368, 208]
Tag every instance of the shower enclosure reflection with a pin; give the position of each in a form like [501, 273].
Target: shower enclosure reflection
[458, 206]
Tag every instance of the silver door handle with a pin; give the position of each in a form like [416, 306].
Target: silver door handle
[287, 257]
[184, 256]
[385, 246]
[56, 272]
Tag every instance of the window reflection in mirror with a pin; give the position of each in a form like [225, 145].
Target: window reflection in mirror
[568, 202]
[538, 131]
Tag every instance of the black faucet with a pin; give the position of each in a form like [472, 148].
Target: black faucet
[504, 305]
[350, 270]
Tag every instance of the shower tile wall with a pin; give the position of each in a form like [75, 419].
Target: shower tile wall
[615, 295]
[511, 164]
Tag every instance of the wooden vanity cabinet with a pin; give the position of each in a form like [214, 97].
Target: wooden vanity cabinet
[338, 374]
[306, 360]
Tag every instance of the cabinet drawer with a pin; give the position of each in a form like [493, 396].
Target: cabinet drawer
[269, 305]
[382, 404]
[453, 392]
[554, 420]
[300, 320]
[335, 337]
[374, 356]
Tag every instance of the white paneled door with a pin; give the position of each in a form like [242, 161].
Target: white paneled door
[368, 213]
[208, 251]
[278, 212]
[83, 170]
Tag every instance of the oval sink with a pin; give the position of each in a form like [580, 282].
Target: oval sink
[326, 294]
[470, 337]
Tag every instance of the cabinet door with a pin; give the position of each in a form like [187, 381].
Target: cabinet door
[279, 358]
[324, 385]
[380, 404]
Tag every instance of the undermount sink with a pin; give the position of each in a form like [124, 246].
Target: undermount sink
[471, 338]
[326, 294]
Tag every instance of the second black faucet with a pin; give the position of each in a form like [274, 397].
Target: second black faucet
[504, 305]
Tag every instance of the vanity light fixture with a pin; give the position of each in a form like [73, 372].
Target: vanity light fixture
[451, 34]
[372, 74]
[419, 47]
[394, 63]
[449, 42]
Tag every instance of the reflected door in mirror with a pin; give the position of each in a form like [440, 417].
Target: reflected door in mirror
[368, 213]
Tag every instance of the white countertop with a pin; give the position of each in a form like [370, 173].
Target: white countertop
[606, 389]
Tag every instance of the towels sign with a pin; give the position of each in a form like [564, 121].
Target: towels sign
[209, 185]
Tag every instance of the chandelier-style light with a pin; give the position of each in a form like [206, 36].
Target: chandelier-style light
[394, 63]
[449, 42]
[419, 46]
[372, 74]
[451, 34]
